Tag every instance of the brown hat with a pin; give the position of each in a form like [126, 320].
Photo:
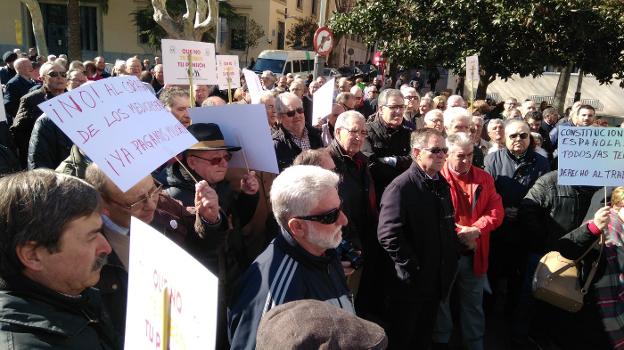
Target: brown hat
[313, 324]
[210, 138]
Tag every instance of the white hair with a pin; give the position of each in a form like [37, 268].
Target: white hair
[493, 122]
[433, 113]
[265, 95]
[453, 99]
[452, 114]
[405, 89]
[344, 117]
[282, 99]
[298, 189]
[47, 67]
[460, 139]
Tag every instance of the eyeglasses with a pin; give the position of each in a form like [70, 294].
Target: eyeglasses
[360, 132]
[437, 150]
[216, 161]
[146, 197]
[410, 97]
[55, 74]
[395, 108]
[374, 92]
[522, 136]
[326, 218]
[292, 113]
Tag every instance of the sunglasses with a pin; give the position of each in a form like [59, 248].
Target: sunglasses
[54, 74]
[522, 136]
[437, 150]
[292, 113]
[327, 218]
[411, 98]
[216, 161]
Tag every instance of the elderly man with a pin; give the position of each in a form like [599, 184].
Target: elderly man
[417, 231]
[177, 101]
[201, 94]
[496, 133]
[298, 88]
[411, 112]
[158, 82]
[458, 119]
[268, 80]
[387, 145]
[75, 78]
[54, 84]
[135, 67]
[17, 87]
[455, 101]
[478, 211]
[268, 100]
[300, 263]
[434, 119]
[8, 72]
[328, 128]
[528, 106]
[362, 105]
[515, 169]
[52, 251]
[425, 105]
[100, 68]
[344, 85]
[292, 135]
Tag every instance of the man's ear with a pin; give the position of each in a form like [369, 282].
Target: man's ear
[295, 226]
[29, 255]
[415, 152]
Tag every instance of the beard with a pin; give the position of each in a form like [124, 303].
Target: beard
[322, 239]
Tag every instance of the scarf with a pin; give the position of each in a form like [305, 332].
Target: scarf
[610, 288]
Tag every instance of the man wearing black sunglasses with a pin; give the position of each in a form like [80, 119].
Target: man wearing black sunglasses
[301, 262]
[417, 231]
[292, 135]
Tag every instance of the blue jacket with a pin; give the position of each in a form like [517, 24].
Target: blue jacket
[284, 272]
[17, 87]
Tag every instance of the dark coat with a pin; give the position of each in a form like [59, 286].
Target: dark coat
[285, 148]
[6, 74]
[549, 211]
[27, 114]
[368, 108]
[417, 229]
[48, 146]
[306, 101]
[17, 87]
[385, 142]
[35, 317]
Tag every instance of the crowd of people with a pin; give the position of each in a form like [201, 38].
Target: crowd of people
[405, 213]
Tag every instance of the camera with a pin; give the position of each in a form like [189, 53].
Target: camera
[347, 253]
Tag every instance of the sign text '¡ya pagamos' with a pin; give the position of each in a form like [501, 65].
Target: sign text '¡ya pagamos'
[123, 157]
[73, 104]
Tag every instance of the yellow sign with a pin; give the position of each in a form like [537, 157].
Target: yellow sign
[18, 32]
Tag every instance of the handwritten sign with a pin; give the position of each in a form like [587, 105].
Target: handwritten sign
[253, 84]
[247, 123]
[192, 295]
[227, 69]
[472, 68]
[591, 156]
[121, 126]
[175, 57]
[322, 101]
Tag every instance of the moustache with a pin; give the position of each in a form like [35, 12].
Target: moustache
[100, 262]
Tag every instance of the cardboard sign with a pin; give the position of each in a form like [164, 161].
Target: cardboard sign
[227, 69]
[247, 124]
[191, 290]
[322, 101]
[253, 84]
[121, 126]
[591, 156]
[472, 68]
[175, 57]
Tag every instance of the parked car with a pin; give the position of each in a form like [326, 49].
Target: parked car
[329, 73]
[369, 71]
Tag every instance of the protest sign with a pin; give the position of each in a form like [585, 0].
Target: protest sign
[190, 289]
[121, 126]
[322, 101]
[253, 84]
[472, 68]
[590, 156]
[2, 110]
[247, 123]
[227, 68]
[175, 57]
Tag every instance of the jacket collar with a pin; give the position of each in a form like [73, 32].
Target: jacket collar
[285, 241]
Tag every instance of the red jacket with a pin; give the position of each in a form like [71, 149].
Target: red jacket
[487, 213]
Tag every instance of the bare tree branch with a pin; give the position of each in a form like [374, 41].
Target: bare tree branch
[161, 16]
[209, 22]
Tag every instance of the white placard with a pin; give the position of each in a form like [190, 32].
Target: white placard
[322, 101]
[2, 110]
[175, 58]
[227, 68]
[247, 123]
[253, 84]
[590, 156]
[121, 126]
[192, 289]
[472, 68]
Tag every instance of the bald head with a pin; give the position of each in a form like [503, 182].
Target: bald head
[23, 67]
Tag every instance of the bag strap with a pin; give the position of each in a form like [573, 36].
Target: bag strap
[594, 268]
[576, 261]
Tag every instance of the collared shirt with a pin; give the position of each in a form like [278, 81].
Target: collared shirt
[114, 227]
[302, 142]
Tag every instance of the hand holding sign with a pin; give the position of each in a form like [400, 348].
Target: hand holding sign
[249, 183]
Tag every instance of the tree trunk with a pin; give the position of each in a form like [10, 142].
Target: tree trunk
[199, 18]
[484, 82]
[37, 23]
[74, 49]
[562, 88]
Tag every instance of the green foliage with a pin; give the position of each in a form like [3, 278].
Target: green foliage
[301, 34]
[510, 36]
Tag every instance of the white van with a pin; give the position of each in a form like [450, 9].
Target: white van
[282, 62]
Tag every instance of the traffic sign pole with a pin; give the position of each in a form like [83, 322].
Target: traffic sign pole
[319, 61]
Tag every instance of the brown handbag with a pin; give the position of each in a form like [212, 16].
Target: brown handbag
[556, 279]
